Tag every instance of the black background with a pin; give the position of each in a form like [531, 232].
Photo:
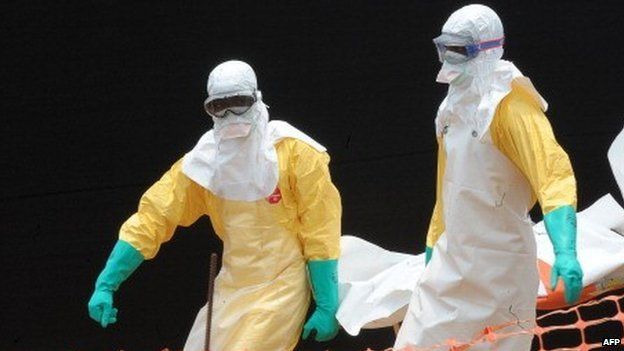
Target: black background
[99, 98]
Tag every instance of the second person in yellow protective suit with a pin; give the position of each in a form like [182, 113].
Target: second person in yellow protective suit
[497, 155]
[267, 189]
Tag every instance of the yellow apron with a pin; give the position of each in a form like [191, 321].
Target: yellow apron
[262, 292]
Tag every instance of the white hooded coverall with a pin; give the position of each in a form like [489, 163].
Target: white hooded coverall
[497, 155]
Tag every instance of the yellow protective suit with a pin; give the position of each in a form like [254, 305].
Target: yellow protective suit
[261, 292]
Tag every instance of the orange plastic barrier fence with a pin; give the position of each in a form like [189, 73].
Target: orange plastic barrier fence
[591, 326]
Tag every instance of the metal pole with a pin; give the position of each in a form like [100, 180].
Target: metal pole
[211, 279]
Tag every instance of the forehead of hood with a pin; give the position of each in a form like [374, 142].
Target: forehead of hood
[231, 78]
[479, 22]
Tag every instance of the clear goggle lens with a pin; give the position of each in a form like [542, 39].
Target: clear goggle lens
[456, 49]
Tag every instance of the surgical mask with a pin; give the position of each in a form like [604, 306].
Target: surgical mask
[232, 126]
[457, 49]
[453, 74]
[236, 130]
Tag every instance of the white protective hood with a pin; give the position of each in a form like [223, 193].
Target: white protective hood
[201, 166]
[241, 168]
[486, 79]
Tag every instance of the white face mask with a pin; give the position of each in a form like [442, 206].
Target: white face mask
[233, 126]
[452, 74]
[235, 130]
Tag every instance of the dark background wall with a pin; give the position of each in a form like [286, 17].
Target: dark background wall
[99, 98]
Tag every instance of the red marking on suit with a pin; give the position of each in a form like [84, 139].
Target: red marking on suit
[275, 197]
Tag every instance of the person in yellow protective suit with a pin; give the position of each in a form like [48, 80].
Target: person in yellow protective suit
[497, 156]
[267, 189]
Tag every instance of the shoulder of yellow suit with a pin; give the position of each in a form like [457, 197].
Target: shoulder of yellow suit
[518, 99]
[298, 147]
[517, 109]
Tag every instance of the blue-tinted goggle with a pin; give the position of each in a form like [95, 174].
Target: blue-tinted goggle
[456, 49]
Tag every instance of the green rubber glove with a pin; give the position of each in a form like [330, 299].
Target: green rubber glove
[324, 278]
[428, 253]
[123, 260]
[561, 226]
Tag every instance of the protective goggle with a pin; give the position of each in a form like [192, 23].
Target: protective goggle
[237, 104]
[456, 49]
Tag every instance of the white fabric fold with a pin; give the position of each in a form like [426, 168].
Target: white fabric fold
[232, 179]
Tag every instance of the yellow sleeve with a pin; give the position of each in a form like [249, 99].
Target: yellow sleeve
[173, 200]
[436, 225]
[522, 132]
[318, 202]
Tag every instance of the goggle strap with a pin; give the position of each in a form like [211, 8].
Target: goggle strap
[491, 44]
